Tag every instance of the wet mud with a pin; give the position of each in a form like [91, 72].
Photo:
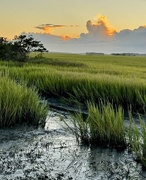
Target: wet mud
[29, 153]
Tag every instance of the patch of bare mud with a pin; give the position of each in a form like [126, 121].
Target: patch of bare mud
[52, 153]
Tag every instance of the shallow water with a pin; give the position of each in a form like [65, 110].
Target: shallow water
[53, 153]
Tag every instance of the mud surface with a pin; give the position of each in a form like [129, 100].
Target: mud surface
[27, 153]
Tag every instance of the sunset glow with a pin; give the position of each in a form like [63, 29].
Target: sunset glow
[58, 30]
[121, 23]
[102, 21]
[65, 37]
[47, 29]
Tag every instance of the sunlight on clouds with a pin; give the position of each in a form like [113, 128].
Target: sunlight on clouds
[47, 29]
[100, 25]
[99, 37]
[51, 29]
[66, 37]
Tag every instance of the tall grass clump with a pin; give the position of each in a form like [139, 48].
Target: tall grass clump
[137, 140]
[103, 126]
[19, 104]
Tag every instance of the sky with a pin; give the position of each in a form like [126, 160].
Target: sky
[78, 25]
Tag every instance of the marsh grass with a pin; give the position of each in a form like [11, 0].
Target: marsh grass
[117, 80]
[103, 126]
[80, 84]
[84, 87]
[19, 104]
[56, 62]
[137, 140]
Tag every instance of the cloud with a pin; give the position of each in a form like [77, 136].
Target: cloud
[47, 28]
[100, 37]
[66, 37]
[132, 37]
[100, 27]
[99, 30]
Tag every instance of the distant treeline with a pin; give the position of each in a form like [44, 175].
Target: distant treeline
[116, 54]
[94, 53]
[128, 54]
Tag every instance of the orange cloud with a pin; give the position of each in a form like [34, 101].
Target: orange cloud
[47, 28]
[103, 20]
[65, 37]
[101, 26]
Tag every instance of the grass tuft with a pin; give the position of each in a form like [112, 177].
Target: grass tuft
[19, 104]
[137, 140]
[103, 126]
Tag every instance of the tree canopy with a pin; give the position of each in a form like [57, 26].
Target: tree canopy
[19, 48]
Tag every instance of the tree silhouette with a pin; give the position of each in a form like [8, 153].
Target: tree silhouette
[19, 48]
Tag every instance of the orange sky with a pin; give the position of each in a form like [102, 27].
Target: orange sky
[24, 16]
[99, 22]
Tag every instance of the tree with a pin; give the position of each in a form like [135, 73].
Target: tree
[24, 45]
[4, 48]
[19, 48]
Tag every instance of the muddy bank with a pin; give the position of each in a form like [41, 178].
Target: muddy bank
[53, 153]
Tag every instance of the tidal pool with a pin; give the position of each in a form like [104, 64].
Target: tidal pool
[29, 153]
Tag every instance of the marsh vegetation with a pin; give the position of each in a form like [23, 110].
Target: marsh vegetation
[107, 86]
[19, 104]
